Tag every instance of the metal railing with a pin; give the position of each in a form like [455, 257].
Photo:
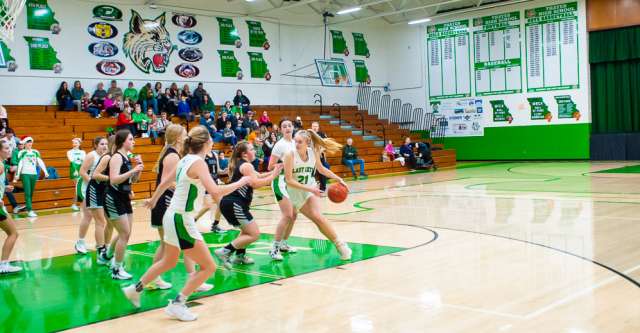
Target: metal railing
[318, 100]
[337, 106]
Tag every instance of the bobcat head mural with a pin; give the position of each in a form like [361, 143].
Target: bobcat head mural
[148, 43]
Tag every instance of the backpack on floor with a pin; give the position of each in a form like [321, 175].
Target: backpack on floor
[53, 173]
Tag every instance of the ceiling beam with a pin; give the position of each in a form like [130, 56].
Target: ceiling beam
[473, 9]
[277, 9]
[395, 12]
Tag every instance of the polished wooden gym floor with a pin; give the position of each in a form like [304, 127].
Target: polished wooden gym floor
[486, 247]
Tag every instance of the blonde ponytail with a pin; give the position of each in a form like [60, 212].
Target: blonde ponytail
[171, 136]
[319, 144]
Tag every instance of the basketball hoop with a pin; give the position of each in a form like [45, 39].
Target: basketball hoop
[9, 12]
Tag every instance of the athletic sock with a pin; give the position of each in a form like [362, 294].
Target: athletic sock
[139, 287]
[230, 247]
[276, 244]
[241, 252]
[180, 299]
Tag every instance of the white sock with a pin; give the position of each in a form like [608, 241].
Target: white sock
[4, 262]
[276, 244]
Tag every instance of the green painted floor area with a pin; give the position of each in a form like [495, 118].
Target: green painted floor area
[69, 291]
[627, 169]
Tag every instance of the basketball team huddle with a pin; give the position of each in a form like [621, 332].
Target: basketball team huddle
[187, 187]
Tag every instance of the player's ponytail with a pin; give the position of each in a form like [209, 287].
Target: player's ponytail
[171, 136]
[241, 148]
[319, 144]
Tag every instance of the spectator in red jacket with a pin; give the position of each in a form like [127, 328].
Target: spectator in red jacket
[125, 120]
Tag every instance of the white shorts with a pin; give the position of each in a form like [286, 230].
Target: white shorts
[180, 230]
[279, 188]
[298, 197]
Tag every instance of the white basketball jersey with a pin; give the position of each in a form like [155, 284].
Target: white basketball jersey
[188, 195]
[303, 171]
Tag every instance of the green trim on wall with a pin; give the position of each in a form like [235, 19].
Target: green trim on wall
[543, 142]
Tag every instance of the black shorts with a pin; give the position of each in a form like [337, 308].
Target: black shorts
[95, 194]
[117, 203]
[235, 211]
[157, 213]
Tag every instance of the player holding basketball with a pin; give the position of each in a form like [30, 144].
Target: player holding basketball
[235, 206]
[299, 169]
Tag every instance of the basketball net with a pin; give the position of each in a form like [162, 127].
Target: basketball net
[9, 12]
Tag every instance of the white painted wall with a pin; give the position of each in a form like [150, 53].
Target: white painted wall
[291, 47]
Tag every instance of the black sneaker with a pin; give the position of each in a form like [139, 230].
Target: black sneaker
[216, 228]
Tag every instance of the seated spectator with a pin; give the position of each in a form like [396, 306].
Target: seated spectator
[99, 95]
[259, 160]
[147, 99]
[264, 119]
[207, 121]
[157, 90]
[224, 164]
[114, 90]
[175, 92]
[423, 156]
[228, 135]
[297, 124]
[184, 110]
[240, 131]
[63, 96]
[111, 106]
[186, 92]
[276, 130]
[4, 118]
[267, 146]
[322, 179]
[198, 97]
[141, 120]
[227, 107]
[242, 101]
[163, 100]
[389, 154]
[222, 121]
[125, 122]
[162, 123]
[131, 93]
[152, 131]
[90, 106]
[76, 95]
[406, 151]
[263, 133]
[250, 124]
[350, 157]
[207, 106]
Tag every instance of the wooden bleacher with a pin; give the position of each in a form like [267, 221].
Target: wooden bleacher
[53, 130]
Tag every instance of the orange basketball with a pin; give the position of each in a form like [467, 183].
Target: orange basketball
[337, 193]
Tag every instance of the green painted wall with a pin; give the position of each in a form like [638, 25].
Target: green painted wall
[562, 142]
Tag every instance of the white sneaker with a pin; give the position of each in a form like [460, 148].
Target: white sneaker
[101, 259]
[32, 214]
[275, 254]
[75, 208]
[204, 288]
[224, 255]
[179, 311]
[119, 273]
[285, 247]
[344, 250]
[158, 284]
[132, 295]
[8, 269]
[242, 260]
[81, 247]
[18, 208]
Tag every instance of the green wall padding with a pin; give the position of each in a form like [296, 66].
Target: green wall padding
[545, 142]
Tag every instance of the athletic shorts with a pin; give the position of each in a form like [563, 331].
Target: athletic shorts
[117, 203]
[95, 195]
[279, 188]
[298, 197]
[79, 192]
[157, 213]
[180, 230]
[235, 212]
[3, 214]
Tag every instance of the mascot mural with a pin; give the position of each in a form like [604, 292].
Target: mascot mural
[148, 43]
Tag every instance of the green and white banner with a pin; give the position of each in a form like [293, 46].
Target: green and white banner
[501, 111]
[229, 65]
[497, 58]
[42, 56]
[339, 44]
[228, 32]
[539, 109]
[41, 17]
[259, 68]
[360, 45]
[257, 36]
[567, 107]
[362, 73]
[448, 58]
[6, 60]
[552, 47]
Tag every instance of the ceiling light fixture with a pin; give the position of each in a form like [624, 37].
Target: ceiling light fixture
[350, 10]
[424, 20]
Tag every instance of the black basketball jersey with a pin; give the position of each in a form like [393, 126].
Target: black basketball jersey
[245, 193]
[125, 186]
[212, 163]
[169, 150]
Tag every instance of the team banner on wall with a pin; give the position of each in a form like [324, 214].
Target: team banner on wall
[552, 47]
[362, 73]
[539, 109]
[41, 17]
[148, 44]
[6, 60]
[107, 13]
[567, 108]
[464, 117]
[42, 56]
[448, 53]
[497, 60]
[360, 45]
[229, 65]
[257, 36]
[501, 111]
[228, 32]
[339, 43]
[259, 69]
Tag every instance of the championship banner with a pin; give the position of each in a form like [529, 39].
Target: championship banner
[42, 56]
[257, 36]
[539, 109]
[360, 45]
[41, 17]
[362, 73]
[501, 111]
[6, 60]
[229, 65]
[339, 44]
[259, 69]
[567, 107]
[228, 32]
